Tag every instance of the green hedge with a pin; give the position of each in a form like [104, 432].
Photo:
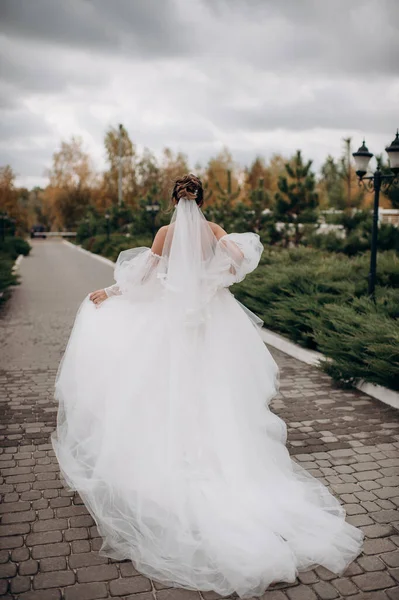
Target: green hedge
[362, 340]
[356, 240]
[14, 246]
[320, 301]
[111, 247]
[10, 249]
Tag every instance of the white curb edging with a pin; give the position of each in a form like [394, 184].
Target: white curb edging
[381, 393]
[17, 262]
[102, 259]
[310, 357]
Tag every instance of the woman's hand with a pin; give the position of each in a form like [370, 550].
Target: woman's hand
[98, 297]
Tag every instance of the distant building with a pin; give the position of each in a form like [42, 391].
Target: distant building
[389, 215]
[385, 215]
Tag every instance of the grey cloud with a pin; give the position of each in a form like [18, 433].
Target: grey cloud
[173, 135]
[39, 37]
[39, 72]
[59, 22]
[26, 142]
[192, 63]
[327, 108]
[8, 98]
[28, 162]
[142, 28]
[360, 37]
[19, 124]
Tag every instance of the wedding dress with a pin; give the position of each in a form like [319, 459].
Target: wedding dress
[165, 431]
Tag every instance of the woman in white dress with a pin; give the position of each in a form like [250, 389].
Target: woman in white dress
[164, 426]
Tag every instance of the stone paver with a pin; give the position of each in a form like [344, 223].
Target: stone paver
[48, 541]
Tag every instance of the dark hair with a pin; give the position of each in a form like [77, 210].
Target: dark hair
[189, 186]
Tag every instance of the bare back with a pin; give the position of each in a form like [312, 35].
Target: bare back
[160, 237]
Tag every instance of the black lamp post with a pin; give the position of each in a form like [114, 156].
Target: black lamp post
[107, 216]
[153, 209]
[375, 183]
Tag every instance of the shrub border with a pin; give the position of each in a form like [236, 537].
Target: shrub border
[14, 269]
[310, 357]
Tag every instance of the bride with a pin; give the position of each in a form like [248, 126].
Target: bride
[164, 427]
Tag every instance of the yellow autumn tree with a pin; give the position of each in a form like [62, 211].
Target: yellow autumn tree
[12, 204]
[268, 172]
[122, 159]
[221, 172]
[72, 178]
[8, 195]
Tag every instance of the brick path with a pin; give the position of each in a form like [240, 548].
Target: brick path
[48, 541]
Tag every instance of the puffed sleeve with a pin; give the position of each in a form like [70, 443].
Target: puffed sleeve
[135, 273]
[237, 254]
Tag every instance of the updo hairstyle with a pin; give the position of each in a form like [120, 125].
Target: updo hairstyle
[188, 186]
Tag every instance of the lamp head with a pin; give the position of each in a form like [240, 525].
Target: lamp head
[393, 154]
[362, 158]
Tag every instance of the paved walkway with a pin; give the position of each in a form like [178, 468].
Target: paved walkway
[48, 541]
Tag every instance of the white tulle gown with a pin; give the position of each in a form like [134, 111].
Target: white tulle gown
[165, 431]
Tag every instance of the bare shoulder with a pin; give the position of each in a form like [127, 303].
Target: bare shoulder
[216, 229]
[163, 230]
[159, 240]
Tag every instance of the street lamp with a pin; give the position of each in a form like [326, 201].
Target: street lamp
[107, 224]
[376, 182]
[153, 209]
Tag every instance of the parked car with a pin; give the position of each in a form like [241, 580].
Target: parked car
[38, 231]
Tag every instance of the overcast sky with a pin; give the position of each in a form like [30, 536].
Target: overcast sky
[260, 76]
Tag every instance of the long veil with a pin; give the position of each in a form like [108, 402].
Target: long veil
[188, 253]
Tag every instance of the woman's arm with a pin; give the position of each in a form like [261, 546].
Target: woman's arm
[113, 290]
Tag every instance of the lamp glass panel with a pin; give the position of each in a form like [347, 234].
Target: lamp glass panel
[394, 159]
[362, 162]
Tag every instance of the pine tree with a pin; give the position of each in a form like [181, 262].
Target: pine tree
[259, 201]
[332, 183]
[222, 209]
[296, 201]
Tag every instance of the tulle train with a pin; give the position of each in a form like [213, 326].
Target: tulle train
[166, 433]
